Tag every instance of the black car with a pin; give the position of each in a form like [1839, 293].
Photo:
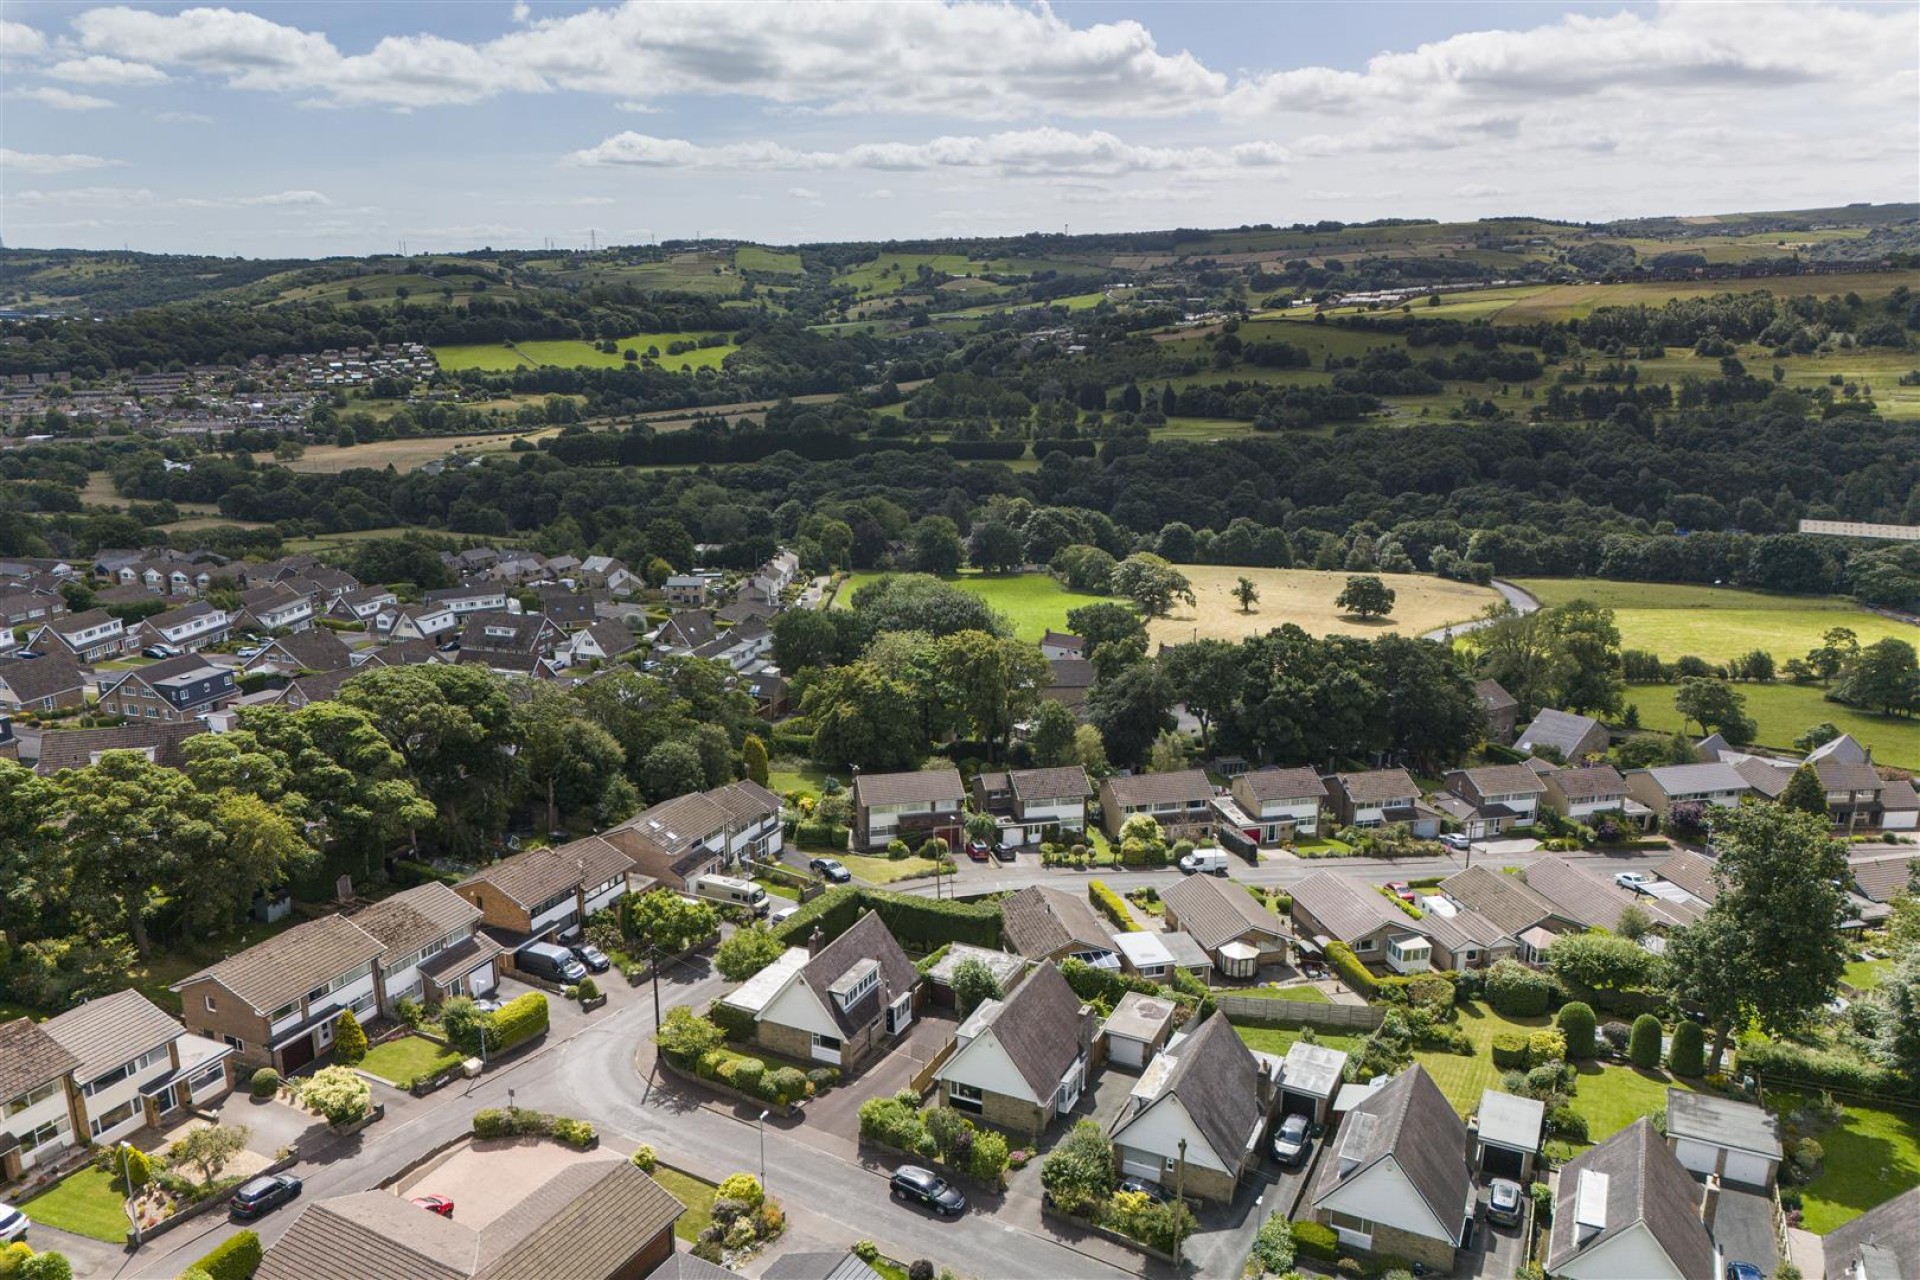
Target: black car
[1152, 1190]
[925, 1187]
[262, 1196]
[830, 869]
[1003, 853]
[591, 956]
[1292, 1141]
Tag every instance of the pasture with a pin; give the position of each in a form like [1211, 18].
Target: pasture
[1718, 623]
[570, 353]
[1782, 712]
[1032, 602]
[751, 257]
[402, 454]
[1305, 598]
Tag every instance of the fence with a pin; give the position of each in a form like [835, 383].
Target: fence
[923, 1078]
[1297, 1013]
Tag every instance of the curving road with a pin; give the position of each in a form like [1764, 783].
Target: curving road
[1522, 602]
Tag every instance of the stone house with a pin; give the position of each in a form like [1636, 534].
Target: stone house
[1497, 797]
[1021, 1060]
[1331, 906]
[841, 1005]
[1206, 1089]
[1502, 710]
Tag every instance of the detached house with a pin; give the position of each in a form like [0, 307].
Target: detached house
[609, 574]
[363, 604]
[1205, 1089]
[915, 807]
[1881, 1244]
[1181, 802]
[1052, 925]
[470, 597]
[41, 684]
[135, 1066]
[188, 629]
[1628, 1208]
[601, 642]
[1575, 739]
[1068, 681]
[686, 589]
[275, 1003]
[1857, 796]
[1379, 797]
[840, 1005]
[1026, 802]
[1493, 799]
[1021, 1060]
[1268, 807]
[274, 607]
[1060, 644]
[538, 893]
[318, 650]
[1330, 906]
[92, 636]
[1239, 934]
[1502, 710]
[430, 622]
[172, 689]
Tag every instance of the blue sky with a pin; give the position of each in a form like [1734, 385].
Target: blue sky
[306, 129]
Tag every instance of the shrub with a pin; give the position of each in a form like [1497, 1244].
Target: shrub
[823, 1078]
[865, 1250]
[1316, 1240]
[587, 989]
[265, 1083]
[736, 1023]
[1351, 971]
[1078, 1174]
[340, 1096]
[1509, 1050]
[1158, 1226]
[1517, 991]
[492, 1122]
[1111, 905]
[745, 1074]
[575, 1133]
[1780, 1063]
[1564, 1122]
[517, 1021]
[1577, 1026]
[746, 952]
[895, 1122]
[1273, 1245]
[136, 1170]
[1643, 1042]
[1617, 1035]
[349, 1039]
[685, 1037]
[1687, 1057]
[897, 850]
[644, 1159]
[786, 1085]
[235, 1258]
[463, 1025]
[988, 1163]
[745, 1188]
[1546, 1045]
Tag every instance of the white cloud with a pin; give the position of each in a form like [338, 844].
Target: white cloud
[84, 195]
[270, 200]
[804, 193]
[1024, 152]
[521, 11]
[18, 40]
[878, 193]
[183, 117]
[1479, 191]
[41, 162]
[112, 71]
[59, 99]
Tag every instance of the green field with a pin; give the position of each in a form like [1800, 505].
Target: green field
[571, 353]
[751, 257]
[1871, 1156]
[1782, 712]
[1718, 623]
[1033, 602]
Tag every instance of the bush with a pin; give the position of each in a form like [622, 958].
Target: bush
[1617, 1035]
[920, 924]
[1577, 1027]
[265, 1083]
[349, 1039]
[787, 1085]
[745, 1074]
[895, 1122]
[1509, 1050]
[587, 989]
[1273, 1245]
[644, 1159]
[1517, 991]
[1351, 971]
[685, 1037]
[1316, 1240]
[338, 1094]
[1078, 1174]
[1158, 1226]
[746, 952]
[1687, 1058]
[135, 1169]
[517, 1021]
[1564, 1122]
[235, 1258]
[575, 1133]
[463, 1025]
[823, 1078]
[1781, 1063]
[1111, 905]
[1643, 1043]
[1546, 1045]
[988, 1163]
[736, 1023]
[745, 1188]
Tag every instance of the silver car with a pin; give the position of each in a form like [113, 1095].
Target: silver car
[13, 1224]
[1505, 1204]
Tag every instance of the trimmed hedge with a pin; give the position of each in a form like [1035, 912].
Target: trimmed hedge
[1111, 905]
[521, 1122]
[1687, 1058]
[1578, 1025]
[518, 1021]
[919, 924]
[1351, 971]
[1316, 1240]
[1517, 991]
[735, 1021]
[1509, 1051]
[235, 1258]
[1779, 1064]
[1643, 1042]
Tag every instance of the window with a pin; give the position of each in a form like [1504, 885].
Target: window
[867, 983]
[32, 1098]
[1350, 1222]
[119, 1115]
[290, 1007]
[964, 1097]
[825, 1042]
[210, 1005]
[41, 1136]
[235, 1043]
[1365, 944]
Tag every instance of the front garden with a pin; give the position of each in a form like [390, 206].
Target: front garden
[403, 1060]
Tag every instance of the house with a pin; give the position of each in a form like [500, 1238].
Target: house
[1268, 807]
[318, 650]
[1462, 938]
[1502, 710]
[1883, 878]
[432, 949]
[1661, 788]
[363, 604]
[1051, 924]
[1694, 873]
[1144, 955]
[1506, 1135]
[1027, 802]
[1738, 1142]
[136, 1066]
[158, 740]
[1310, 1077]
[1628, 1208]
[702, 832]
[1590, 792]
[564, 607]
[1021, 1060]
[685, 631]
[170, 689]
[1005, 967]
[739, 647]
[688, 589]
[601, 642]
[596, 1219]
[1206, 1095]
[1181, 802]
[1881, 1244]
[1379, 797]
[538, 893]
[35, 1070]
[1497, 797]
[816, 1266]
[23, 606]
[189, 628]
[41, 684]
[1059, 644]
[489, 633]
[1767, 776]
[470, 597]
[1575, 739]
[1394, 1181]
[609, 574]
[1595, 901]
[9, 743]
[1137, 1028]
[1854, 793]
[840, 1005]
[1068, 681]
[771, 579]
[772, 697]
[302, 691]
[741, 611]
[1331, 906]
[915, 807]
[274, 607]
[435, 623]
[275, 1003]
[92, 636]
[1240, 934]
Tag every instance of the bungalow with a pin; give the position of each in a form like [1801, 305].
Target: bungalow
[41, 684]
[1379, 797]
[688, 589]
[1059, 644]
[1144, 954]
[433, 623]
[362, 605]
[1052, 924]
[1181, 802]
[1884, 877]
[1628, 1208]
[702, 832]
[274, 607]
[1021, 1060]
[538, 893]
[1496, 797]
[1661, 788]
[303, 691]
[188, 628]
[432, 947]
[1590, 792]
[470, 597]
[92, 636]
[1268, 807]
[1197, 1118]
[1137, 1028]
[158, 740]
[1506, 1135]
[1068, 681]
[1595, 901]
[839, 1005]
[564, 607]
[601, 642]
[1398, 1185]
[610, 574]
[530, 634]
[1711, 1136]
[1005, 967]
[1881, 1244]
[136, 1066]
[1575, 739]
[915, 807]
[1027, 802]
[685, 631]
[171, 689]
[317, 650]
[1330, 906]
[275, 1003]
[35, 1072]
[1463, 938]
[1502, 710]
[1238, 933]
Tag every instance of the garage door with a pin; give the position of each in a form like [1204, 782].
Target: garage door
[297, 1054]
[1141, 1164]
[1299, 1104]
[1746, 1169]
[481, 981]
[1124, 1051]
[1502, 1162]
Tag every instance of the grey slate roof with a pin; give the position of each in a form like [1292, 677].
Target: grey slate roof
[1590, 783]
[817, 1266]
[1005, 967]
[1581, 895]
[1645, 1183]
[1038, 922]
[1412, 1123]
[1843, 775]
[1067, 782]
[533, 876]
[1493, 697]
[1692, 872]
[29, 1058]
[1689, 779]
[1216, 1079]
[1885, 1240]
[409, 920]
[32, 679]
[1883, 879]
[1763, 776]
[288, 965]
[315, 650]
[1561, 730]
[1503, 779]
[1724, 1122]
[925, 786]
[1217, 912]
[368, 1236]
[1039, 1027]
[111, 1030]
[1501, 898]
[868, 939]
[1184, 786]
[1284, 784]
[1376, 786]
[1069, 673]
[1347, 907]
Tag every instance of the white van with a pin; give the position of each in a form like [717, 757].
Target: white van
[1210, 861]
[731, 891]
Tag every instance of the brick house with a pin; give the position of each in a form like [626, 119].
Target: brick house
[1576, 739]
[1181, 802]
[915, 807]
[1492, 799]
[840, 1006]
[172, 689]
[317, 650]
[51, 683]
[702, 832]
[361, 605]
[136, 1066]
[274, 607]
[1268, 807]
[601, 642]
[189, 628]
[92, 636]
[1026, 802]
[1331, 906]
[541, 892]
[470, 597]
[1379, 797]
[1021, 1060]
[431, 947]
[1586, 794]
[1208, 1089]
[1052, 924]
[34, 1073]
[686, 589]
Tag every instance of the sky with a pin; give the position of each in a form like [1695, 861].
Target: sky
[296, 129]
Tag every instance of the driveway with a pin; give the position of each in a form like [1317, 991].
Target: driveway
[838, 1110]
[1743, 1228]
[485, 1179]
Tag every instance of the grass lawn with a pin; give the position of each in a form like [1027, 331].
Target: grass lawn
[1324, 848]
[1464, 1079]
[777, 889]
[85, 1204]
[1613, 1097]
[1871, 1156]
[1277, 1040]
[1718, 623]
[1782, 712]
[795, 775]
[1305, 597]
[408, 1058]
[1862, 974]
[690, 1191]
[884, 870]
[1032, 602]
[1300, 994]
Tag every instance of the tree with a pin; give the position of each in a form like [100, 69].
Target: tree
[1090, 751]
[937, 547]
[1714, 705]
[1051, 738]
[746, 951]
[1804, 792]
[804, 638]
[973, 985]
[1838, 648]
[1365, 596]
[338, 1094]
[753, 759]
[210, 1148]
[1586, 634]
[671, 769]
[32, 861]
[1206, 676]
[1643, 1043]
[1577, 1023]
[564, 759]
[1883, 676]
[1897, 1014]
[1601, 962]
[1815, 737]
[1246, 593]
[663, 919]
[864, 718]
[349, 1039]
[1171, 752]
[991, 682]
[997, 547]
[1151, 583]
[1131, 709]
[1685, 1056]
[452, 725]
[1105, 623]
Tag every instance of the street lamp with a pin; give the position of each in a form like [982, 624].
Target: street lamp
[763, 1149]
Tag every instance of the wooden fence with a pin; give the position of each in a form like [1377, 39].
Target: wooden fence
[923, 1078]
[1359, 1018]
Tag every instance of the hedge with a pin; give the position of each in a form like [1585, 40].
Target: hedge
[1517, 991]
[1316, 1240]
[1779, 1064]
[1509, 1051]
[735, 1021]
[1687, 1055]
[522, 1122]
[1112, 906]
[929, 962]
[1643, 1042]
[1578, 1025]
[409, 874]
[1351, 971]
[919, 924]
[235, 1258]
[518, 1021]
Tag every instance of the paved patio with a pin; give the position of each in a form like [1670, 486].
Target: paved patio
[484, 1179]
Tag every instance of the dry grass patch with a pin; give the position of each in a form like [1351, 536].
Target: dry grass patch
[1305, 598]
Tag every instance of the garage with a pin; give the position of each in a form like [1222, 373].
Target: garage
[1136, 1029]
[1737, 1140]
[1141, 1164]
[296, 1053]
[1509, 1129]
[482, 981]
[1503, 1162]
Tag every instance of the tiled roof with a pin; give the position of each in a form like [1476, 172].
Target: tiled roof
[1560, 730]
[1581, 895]
[868, 939]
[1645, 1183]
[32, 679]
[1069, 673]
[1462, 930]
[1184, 786]
[1883, 878]
[1688, 779]
[76, 748]
[586, 1223]
[411, 919]
[1216, 1079]
[1283, 784]
[1883, 1242]
[316, 650]
[745, 801]
[1068, 782]
[926, 786]
[368, 1235]
[110, 1030]
[1346, 907]
[1038, 922]
[29, 1058]
[1841, 775]
[1216, 911]
[68, 624]
[1501, 898]
[1594, 782]
[1492, 696]
[531, 877]
[1377, 786]
[1898, 796]
[1039, 1027]
[290, 964]
[1692, 872]
[1504, 779]
[1411, 1122]
[1764, 776]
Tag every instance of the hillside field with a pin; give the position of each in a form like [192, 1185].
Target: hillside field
[495, 357]
[1782, 712]
[1718, 623]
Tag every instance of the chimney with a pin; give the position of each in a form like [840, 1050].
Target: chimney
[1089, 1027]
[816, 940]
[1264, 1085]
[1710, 1201]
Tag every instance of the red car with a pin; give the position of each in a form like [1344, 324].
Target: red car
[1401, 890]
[434, 1204]
[979, 850]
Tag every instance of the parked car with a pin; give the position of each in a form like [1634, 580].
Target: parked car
[926, 1188]
[979, 850]
[1504, 1204]
[486, 1004]
[591, 956]
[1003, 852]
[830, 869]
[262, 1196]
[1400, 889]
[1455, 840]
[1744, 1271]
[1633, 881]
[434, 1204]
[1293, 1140]
[1152, 1190]
[159, 651]
[13, 1224]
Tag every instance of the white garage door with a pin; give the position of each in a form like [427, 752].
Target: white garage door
[1140, 1164]
[1125, 1051]
[481, 981]
[1696, 1156]
[1746, 1169]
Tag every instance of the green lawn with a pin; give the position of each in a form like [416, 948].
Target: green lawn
[572, 353]
[1871, 1156]
[408, 1058]
[796, 775]
[1464, 1079]
[1718, 623]
[777, 889]
[1782, 712]
[690, 1191]
[1033, 602]
[85, 1204]
[1613, 1097]
[1300, 994]
[884, 870]
[1277, 1040]
[1862, 974]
